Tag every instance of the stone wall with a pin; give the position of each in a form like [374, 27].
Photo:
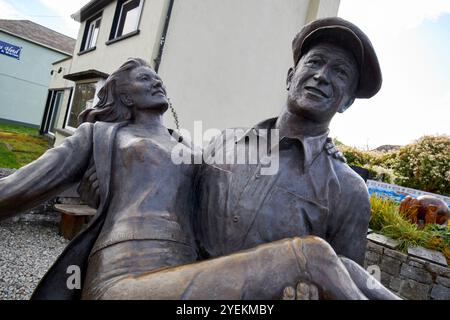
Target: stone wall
[410, 277]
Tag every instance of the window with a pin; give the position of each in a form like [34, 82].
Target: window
[127, 18]
[83, 97]
[91, 33]
[52, 108]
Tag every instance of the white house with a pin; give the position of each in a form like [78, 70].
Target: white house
[223, 62]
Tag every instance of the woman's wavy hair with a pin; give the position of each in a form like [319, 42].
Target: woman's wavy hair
[110, 108]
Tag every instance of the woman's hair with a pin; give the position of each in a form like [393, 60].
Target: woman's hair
[110, 108]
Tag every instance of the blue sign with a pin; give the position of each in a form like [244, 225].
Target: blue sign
[398, 193]
[10, 50]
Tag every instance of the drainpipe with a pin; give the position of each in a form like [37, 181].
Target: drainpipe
[163, 36]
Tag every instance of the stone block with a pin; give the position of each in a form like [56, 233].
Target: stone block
[383, 240]
[443, 281]
[371, 246]
[414, 290]
[390, 265]
[396, 254]
[420, 275]
[385, 279]
[440, 292]
[373, 256]
[429, 255]
[438, 270]
[395, 284]
[416, 262]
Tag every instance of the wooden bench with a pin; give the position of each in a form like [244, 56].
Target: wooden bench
[74, 218]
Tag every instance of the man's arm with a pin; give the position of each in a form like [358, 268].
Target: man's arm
[48, 175]
[350, 222]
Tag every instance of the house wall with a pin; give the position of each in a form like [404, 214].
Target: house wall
[107, 58]
[226, 62]
[24, 83]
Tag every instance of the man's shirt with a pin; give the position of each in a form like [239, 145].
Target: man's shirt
[313, 192]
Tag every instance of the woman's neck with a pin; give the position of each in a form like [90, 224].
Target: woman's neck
[150, 121]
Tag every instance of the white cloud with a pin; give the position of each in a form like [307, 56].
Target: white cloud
[394, 14]
[8, 11]
[65, 9]
[414, 99]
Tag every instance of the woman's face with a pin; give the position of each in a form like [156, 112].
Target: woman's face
[146, 90]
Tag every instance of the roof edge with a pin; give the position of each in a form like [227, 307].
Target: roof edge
[85, 75]
[36, 42]
[89, 9]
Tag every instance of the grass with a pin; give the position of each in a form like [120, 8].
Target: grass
[20, 145]
[386, 220]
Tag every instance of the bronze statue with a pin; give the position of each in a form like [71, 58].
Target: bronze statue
[141, 243]
[314, 192]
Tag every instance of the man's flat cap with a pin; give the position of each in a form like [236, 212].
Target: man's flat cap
[343, 33]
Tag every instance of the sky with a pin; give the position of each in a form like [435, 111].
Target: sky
[412, 41]
[411, 38]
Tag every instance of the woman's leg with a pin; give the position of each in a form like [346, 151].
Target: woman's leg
[370, 286]
[259, 273]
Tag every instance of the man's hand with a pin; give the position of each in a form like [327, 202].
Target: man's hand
[304, 291]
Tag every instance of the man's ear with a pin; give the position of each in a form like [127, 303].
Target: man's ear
[346, 105]
[290, 74]
[126, 99]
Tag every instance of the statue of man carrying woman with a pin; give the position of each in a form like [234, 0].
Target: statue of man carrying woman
[153, 234]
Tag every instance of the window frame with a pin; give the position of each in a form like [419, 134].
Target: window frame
[72, 98]
[114, 34]
[88, 33]
[52, 110]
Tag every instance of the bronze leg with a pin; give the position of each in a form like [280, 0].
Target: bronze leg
[259, 273]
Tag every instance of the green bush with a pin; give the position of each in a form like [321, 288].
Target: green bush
[423, 165]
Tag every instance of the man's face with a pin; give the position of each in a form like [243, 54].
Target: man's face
[323, 82]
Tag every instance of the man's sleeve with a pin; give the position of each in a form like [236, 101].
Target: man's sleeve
[352, 214]
[47, 176]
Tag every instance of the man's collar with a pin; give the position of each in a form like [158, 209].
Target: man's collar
[312, 145]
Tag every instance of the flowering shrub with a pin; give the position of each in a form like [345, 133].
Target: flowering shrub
[423, 165]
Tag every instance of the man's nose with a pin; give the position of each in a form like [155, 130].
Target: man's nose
[322, 75]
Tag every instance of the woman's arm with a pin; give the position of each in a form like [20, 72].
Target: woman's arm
[48, 175]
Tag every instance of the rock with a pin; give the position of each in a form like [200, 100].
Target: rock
[418, 263]
[28, 249]
[414, 290]
[373, 257]
[443, 281]
[440, 292]
[438, 270]
[390, 265]
[417, 274]
[371, 246]
[395, 284]
[383, 240]
[385, 278]
[396, 254]
[429, 255]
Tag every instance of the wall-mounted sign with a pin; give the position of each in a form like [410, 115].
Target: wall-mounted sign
[10, 50]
